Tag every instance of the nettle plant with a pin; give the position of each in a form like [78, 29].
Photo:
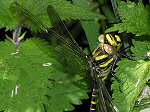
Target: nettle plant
[32, 79]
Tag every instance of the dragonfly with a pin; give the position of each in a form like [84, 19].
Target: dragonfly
[101, 100]
[108, 53]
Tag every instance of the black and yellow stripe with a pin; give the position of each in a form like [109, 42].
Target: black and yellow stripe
[109, 46]
[104, 57]
[93, 101]
[111, 40]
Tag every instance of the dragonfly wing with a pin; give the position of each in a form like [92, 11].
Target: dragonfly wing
[104, 101]
[57, 33]
[107, 103]
[61, 28]
[25, 15]
[101, 104]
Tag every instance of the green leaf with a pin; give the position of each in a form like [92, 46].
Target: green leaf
[133, 75]
[135, 19]
[28, 85]
[88, 5]
[106, 9]
[91, 31]
[115, 7]
[90, 27]
[143, 103]
[10, 16]
[140, 49]
[6, 18]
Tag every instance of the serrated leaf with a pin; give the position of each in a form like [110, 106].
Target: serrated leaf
[140, 49]
[6, 19]
[27, 85]
[133, 75]
[9, 17]
[135, 19]
[143, 103]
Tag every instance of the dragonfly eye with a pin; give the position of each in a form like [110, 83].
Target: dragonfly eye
[108, 48]
[101, 38]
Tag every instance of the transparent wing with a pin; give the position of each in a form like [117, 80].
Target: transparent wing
[60, 32]
[60, 27]
[100, 102]
[73, 58]
[107, 101]
[104, 101]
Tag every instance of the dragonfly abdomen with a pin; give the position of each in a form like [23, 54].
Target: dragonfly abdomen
[93, 101]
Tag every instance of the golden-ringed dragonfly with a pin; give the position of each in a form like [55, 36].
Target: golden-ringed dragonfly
[101, 100]
[105, 57]
[107, 53]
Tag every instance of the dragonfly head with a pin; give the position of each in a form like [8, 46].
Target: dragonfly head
[101, 38]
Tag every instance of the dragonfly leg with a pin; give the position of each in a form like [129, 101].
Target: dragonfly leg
[125, 48]
[122, 52]
[112, 69]
[125, 55]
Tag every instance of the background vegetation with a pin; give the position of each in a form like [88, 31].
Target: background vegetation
[36, 80]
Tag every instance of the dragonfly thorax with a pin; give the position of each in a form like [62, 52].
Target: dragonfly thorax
[106, 54]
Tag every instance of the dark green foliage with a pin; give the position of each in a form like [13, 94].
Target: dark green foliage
[135, 19]
[134, 75]
[38, 85]
[10, 20]
[143, 105]
[54, 88]
[90, 27]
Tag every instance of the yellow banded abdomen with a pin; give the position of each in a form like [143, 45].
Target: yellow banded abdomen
[105, 64]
